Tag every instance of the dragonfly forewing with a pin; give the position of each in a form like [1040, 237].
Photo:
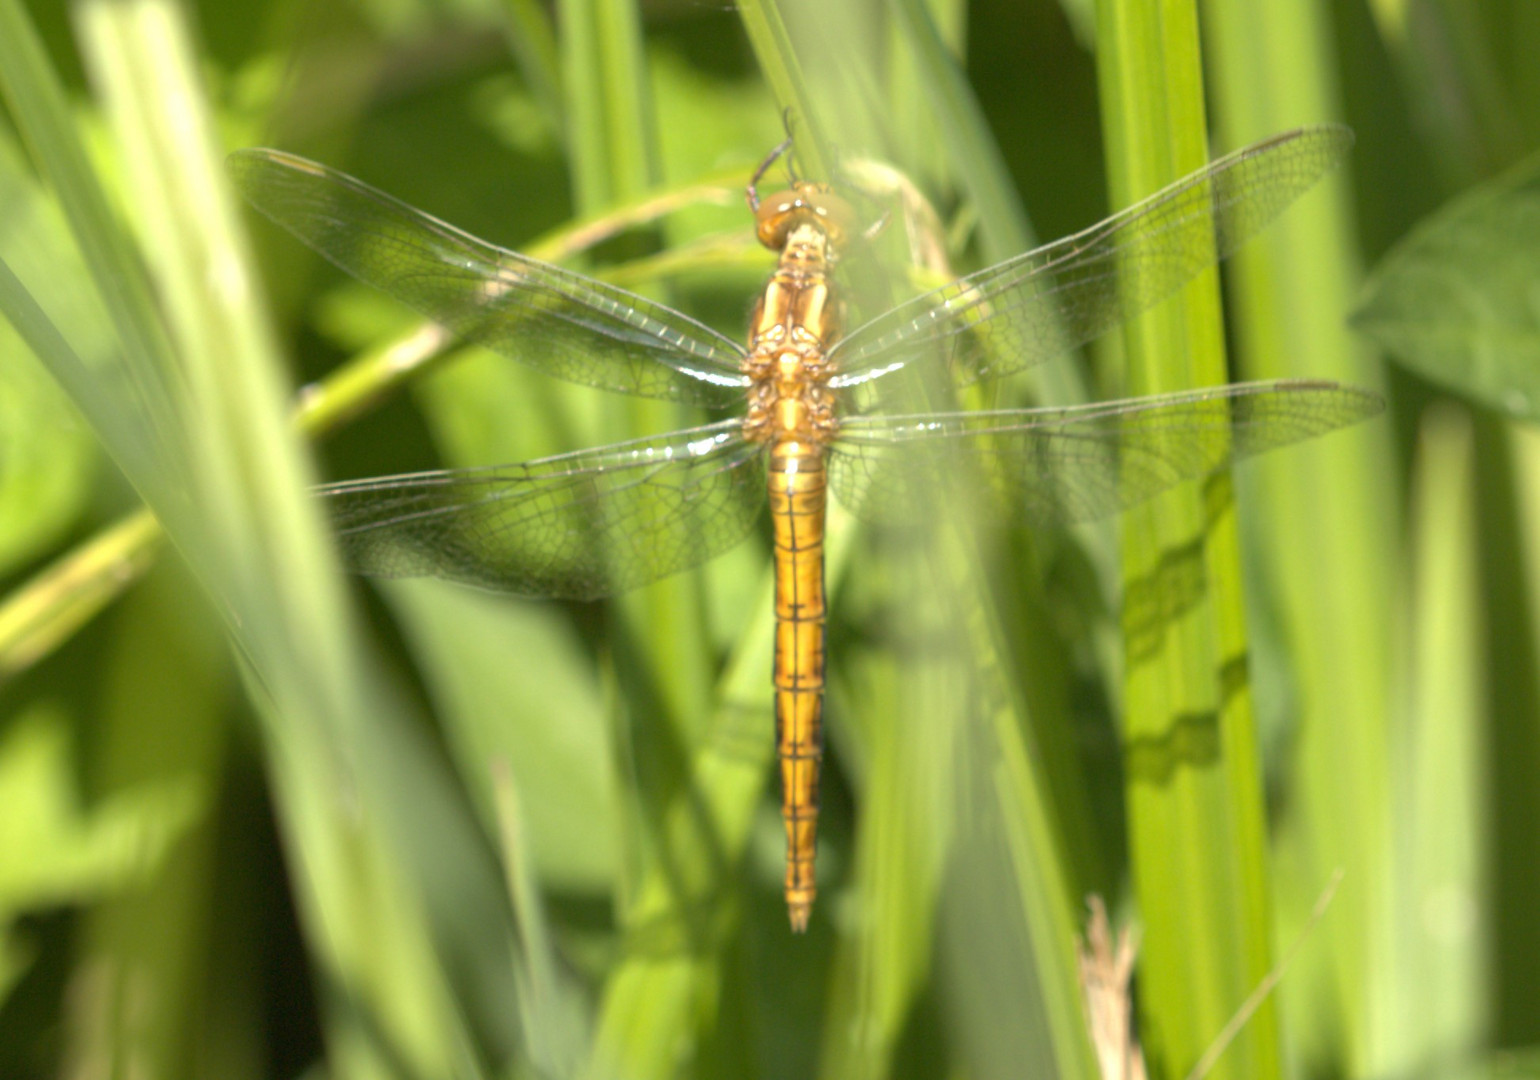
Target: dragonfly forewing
[1029, 309]
[1064, 465]
[562, 323]
[577, 526]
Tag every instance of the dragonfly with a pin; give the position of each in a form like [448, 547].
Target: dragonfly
[596, 522]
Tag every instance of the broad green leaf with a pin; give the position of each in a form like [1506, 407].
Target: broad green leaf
[1458, 301]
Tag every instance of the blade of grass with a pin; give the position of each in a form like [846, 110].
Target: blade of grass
[652, 1005]
[258, 546]
[780, 62]
[978, 746]
[552, 1012]
[1439, 1010]
[980, 172]
[903, 714]
[60, 599]
[47, 457]
[610, 122]
[1325, 534]
[152, 729]
[38, 105]
[1197, 834]
[613, 130]
[1509, 481]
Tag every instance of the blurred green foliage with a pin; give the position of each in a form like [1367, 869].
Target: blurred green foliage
[253, 824]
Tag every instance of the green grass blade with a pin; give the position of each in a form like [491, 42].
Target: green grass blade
[1197, 834]
[53, 606]
[896, 735]
[779, 53]
[38, 105]
[548, 735]
[551, 1009]
[1439, 1006]
[47, 457]
[258, 546]
[1326, 536]
[978, 169]
[650, 1006]
[652, 996]
[610, 120]
[158, 731]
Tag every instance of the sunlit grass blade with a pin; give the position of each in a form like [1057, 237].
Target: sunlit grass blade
[547, 736]
[64, 596]
[905, 704]
[658, 638]
[1325, 532]
[1439, 1013]
[130, 409]
[779, 53]
[978, 170]
[1011, 916]
[1196, 828]
[1038, 794]
[257, 546]
[678, 915]
[616, 158]
[155, 730]
[551, 1011]
[47, 457]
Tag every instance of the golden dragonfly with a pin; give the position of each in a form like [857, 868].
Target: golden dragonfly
[599, 521]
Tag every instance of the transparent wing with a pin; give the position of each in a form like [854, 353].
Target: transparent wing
[1038, 305]
[562, 323]
[1055, 466]
[576, 526]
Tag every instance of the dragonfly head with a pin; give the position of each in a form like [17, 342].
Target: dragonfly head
[805, 203]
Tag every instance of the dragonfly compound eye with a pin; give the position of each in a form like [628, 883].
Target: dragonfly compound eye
[804, 204]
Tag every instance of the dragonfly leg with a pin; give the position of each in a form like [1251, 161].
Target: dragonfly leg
[770, 159]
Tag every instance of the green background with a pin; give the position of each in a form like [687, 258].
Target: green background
[257, 819]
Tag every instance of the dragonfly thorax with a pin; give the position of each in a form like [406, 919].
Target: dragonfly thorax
[789, 398]
[794, 325]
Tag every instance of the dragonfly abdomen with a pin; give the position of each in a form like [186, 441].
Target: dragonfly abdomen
[798, 496]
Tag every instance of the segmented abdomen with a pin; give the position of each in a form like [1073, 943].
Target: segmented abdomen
[798, 495]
